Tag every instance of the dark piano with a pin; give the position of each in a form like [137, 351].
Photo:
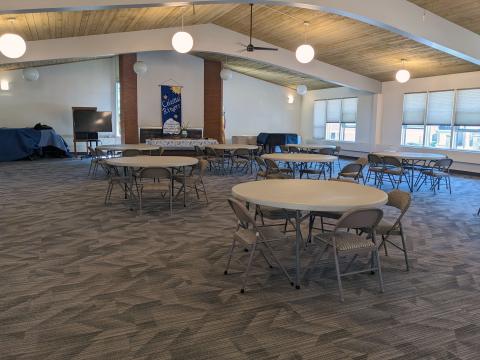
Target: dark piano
[270, 140]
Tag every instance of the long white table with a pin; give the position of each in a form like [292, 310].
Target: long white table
[411, 159]
[123, 147]
[309, 195]
[311, 146]
[156, 161]
[181, 144]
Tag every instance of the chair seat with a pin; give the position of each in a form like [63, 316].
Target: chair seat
[158, 186]
[434, 173]
[346, 241]
[349, 174]
[394, 171]
[375, 168]
[385, 226]
[262, 173]
[277, 175]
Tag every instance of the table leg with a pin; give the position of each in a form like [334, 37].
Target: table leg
[331, 167]
[125, 174]
[412, 177]
[184, 187]
[297, 249]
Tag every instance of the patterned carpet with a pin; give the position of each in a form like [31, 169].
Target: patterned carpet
[79, 280]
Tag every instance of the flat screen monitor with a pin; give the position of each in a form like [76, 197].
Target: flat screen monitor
[92, 121]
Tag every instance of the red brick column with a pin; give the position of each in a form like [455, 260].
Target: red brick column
[128, 99]
[213, 100]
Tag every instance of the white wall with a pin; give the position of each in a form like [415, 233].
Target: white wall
[252, 106]
[392, 93]
[49, 100]
[366, 117]
[170, 68]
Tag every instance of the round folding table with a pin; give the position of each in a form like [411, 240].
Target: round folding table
[302, 158]
[309, 195]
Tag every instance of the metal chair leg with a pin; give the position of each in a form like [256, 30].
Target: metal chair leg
[379, 268]
[247, 271]
[339, 277]
[230, 254]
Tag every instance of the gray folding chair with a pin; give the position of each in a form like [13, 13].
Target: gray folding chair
[344, 242]
[261, 168]
[351, 171]
[250, 235]
[400, 200]
[160, 182]
[193, 180]
[438, 171]
[131, 153]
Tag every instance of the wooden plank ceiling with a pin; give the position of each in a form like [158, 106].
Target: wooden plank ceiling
[339, 41]
[270, 73]
[465, 13]
[27, 64]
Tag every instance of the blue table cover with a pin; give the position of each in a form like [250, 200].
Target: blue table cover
[17, 144]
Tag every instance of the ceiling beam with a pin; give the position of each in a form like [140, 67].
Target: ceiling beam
[398, 16]
[208, 38]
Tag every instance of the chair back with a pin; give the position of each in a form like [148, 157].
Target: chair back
[327, 151]
[245, 153]
[443, 165]
[374, 160]
[198, 151]
[271, 165]
[294, 149]
[343, 180]
[337, 150]
[241, 212]
[100, 153]
[360, 219]
[362, 161]
[400, 200]
[91, 151]
[155, 173]
[284, 148]
[354, 168]
[261, 163]
[210, 152]
[157, 152]
[391, 161]
[131, 153]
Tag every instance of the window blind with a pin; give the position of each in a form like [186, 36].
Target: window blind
[468, 108]
[414, 107]
[334, 111]
[349, 110]
[319, 116]
[440, 108]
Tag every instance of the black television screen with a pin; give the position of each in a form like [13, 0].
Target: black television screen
[92, 121]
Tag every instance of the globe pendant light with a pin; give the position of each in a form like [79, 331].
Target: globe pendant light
[12, 46]
[302, 90]
[182, 41]
[402, 75]
[140, 68]
[226, 74]
[30, 74]
[305, 52]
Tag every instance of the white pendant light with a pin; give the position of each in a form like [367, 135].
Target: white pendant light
[305, 52]
[226, 74]
[140, 68]
[30, 74]
[12, 46]
[302, 90]
[182, 41]
[402, 75]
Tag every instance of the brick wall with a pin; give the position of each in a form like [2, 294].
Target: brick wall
[128, 99]
[213, 101]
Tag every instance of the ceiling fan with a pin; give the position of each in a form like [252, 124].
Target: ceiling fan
[250, 47]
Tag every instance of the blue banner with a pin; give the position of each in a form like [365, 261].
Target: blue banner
[171, 109]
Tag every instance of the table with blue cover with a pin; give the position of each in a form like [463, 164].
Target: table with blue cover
[17, 144]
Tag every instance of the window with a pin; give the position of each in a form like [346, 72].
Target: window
[335, 119]
[117, 108]
[442, 119]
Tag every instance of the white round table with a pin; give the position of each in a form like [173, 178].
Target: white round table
[311, 146]
[411, 159]
[123, 147]
[302, 158]
[156, 161]
[233, 146]
[309, 195]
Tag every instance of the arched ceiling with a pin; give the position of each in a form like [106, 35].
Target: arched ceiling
[349, 44]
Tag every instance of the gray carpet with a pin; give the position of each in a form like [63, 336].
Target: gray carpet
[79, 280]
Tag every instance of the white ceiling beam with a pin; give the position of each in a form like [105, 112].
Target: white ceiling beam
[398, 16]
[207, 37]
